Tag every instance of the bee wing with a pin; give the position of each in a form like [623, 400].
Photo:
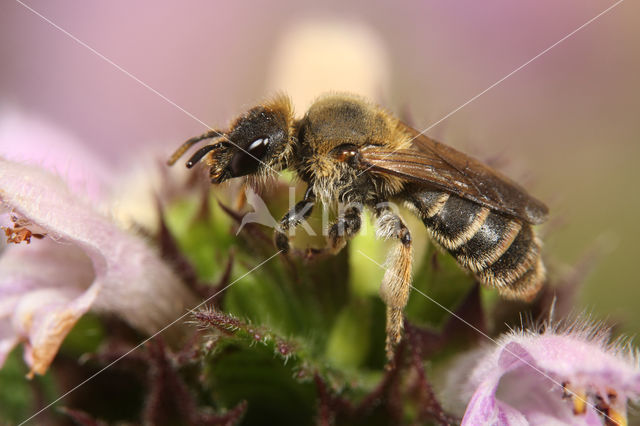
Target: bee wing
[442, 167]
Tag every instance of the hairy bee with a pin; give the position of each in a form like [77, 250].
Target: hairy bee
[357, 155]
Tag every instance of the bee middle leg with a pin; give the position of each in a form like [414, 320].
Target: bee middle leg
[293, 218]
[344, 228]
[396, 282]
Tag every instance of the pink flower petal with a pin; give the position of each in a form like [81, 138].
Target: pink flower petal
[484, 409]
[85, 261]
[8, 340]
[553, 377]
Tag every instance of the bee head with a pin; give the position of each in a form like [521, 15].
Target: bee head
[260, 141]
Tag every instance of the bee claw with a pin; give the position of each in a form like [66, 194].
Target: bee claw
[282, 241]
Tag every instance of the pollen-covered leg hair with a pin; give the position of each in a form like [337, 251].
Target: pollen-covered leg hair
[344, 228]
[396, 282]
[293, 218]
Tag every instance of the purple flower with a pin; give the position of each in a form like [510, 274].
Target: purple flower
[560, 375]
[69, 258]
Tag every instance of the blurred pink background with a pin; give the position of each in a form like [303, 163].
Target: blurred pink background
[566, 125]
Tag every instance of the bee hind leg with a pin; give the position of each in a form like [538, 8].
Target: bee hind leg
[396, 282]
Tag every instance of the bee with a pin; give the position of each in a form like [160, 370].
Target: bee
[355, 154]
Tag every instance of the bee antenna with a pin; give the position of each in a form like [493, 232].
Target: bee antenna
[199, 154]
[190, 142]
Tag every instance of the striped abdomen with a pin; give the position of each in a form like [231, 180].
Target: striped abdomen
[501, 251]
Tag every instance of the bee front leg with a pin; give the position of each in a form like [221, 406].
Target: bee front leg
[396, 282]
[293, 218]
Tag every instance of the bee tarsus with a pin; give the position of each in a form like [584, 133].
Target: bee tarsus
[293, 218]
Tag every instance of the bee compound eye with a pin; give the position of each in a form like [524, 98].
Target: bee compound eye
[255, 145]
[248, 161]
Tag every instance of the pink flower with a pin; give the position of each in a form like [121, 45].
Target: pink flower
[72, 258]
[569, 375]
